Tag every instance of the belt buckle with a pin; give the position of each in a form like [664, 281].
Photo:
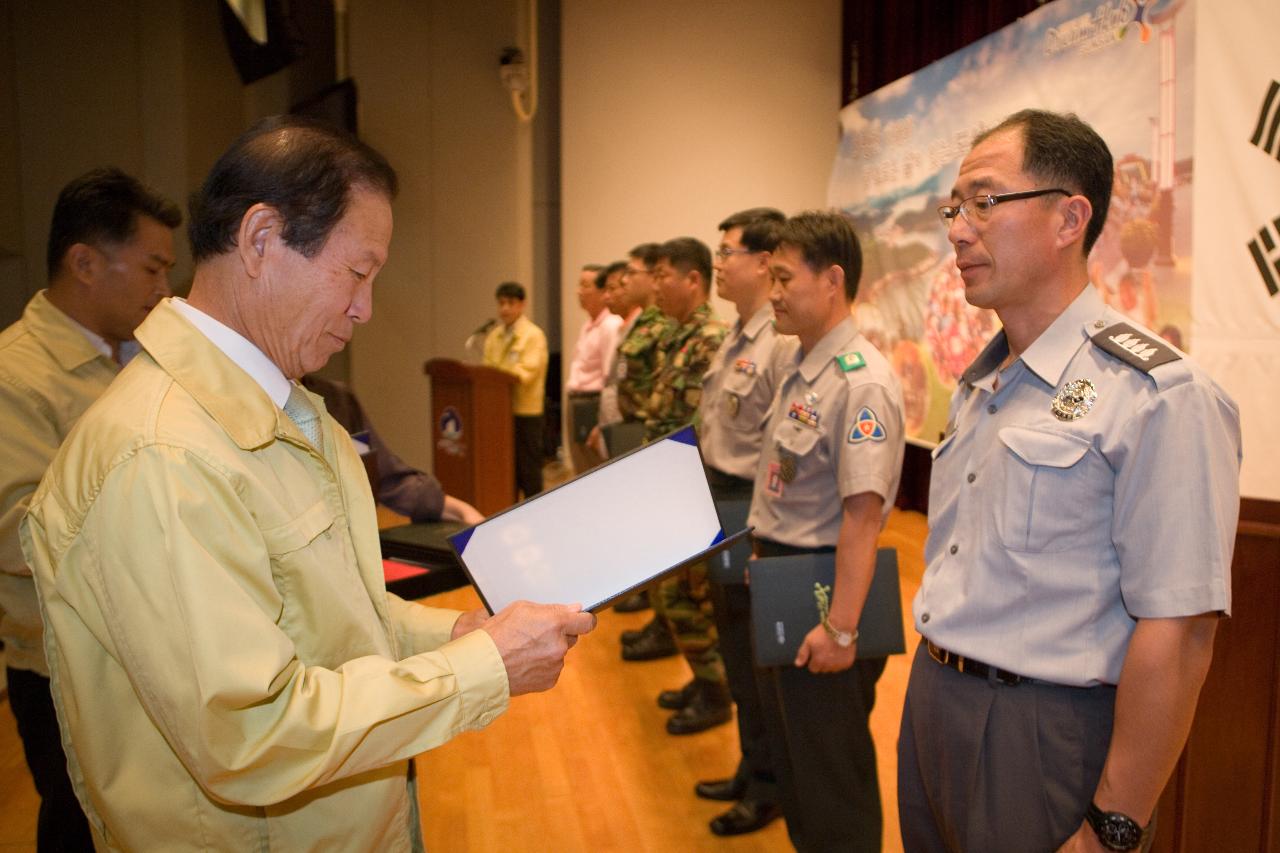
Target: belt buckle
[939, 654]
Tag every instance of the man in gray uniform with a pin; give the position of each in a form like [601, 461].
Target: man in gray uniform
[736, 392]
[826, 479]
[1082, 511]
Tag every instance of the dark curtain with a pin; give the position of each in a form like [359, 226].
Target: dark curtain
[887, 39]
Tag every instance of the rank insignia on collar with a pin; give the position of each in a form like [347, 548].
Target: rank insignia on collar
[867, 428]
[851, 361]
[745, 366]
[1075, 400]
[805, 414]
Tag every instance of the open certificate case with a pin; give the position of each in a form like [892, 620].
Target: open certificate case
[601, 535]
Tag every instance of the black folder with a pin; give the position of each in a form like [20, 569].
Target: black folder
[784, 609]
[728, 567]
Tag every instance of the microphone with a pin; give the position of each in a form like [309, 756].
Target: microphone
[485, 327]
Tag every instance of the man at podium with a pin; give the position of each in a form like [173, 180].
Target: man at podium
[517, 346]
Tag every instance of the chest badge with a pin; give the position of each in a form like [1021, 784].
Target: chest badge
[745, 366]
[786, 465]
[1075, 400]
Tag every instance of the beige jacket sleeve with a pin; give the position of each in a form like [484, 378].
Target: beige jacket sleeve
[28, 440]
[172, 573]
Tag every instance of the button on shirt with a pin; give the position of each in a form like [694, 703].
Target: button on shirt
[1050, 537]
[736, 392]
[831, 433]
[593, 352]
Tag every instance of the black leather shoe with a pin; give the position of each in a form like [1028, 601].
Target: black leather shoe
[635, 635]
[674, 700]
[726, 790]
[746, 816]
[709, 706]
[633, 603]
[651, 646]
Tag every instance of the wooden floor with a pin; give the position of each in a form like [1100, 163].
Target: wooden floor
[585, 767]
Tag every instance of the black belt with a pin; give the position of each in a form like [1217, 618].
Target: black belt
[969, 666]
[583, 395]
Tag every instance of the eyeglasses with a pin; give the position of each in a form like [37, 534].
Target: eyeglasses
[978, 208]
[724, 253]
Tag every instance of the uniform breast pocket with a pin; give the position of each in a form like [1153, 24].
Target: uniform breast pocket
[1049, 489]
[799, 453]
[737, 402]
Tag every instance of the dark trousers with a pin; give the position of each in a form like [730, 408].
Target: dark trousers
[822, 749]
[731, 607]
[61, 824]
[986, 766]
[528, 439]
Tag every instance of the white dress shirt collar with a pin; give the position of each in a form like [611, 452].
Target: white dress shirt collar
[240, 350]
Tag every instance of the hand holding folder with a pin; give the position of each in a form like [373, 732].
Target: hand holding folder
[784, 608]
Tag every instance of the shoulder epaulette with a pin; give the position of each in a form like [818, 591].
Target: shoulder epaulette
[1135, 348]
[851, 361]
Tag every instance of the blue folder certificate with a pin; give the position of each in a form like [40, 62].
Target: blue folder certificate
[600, 535]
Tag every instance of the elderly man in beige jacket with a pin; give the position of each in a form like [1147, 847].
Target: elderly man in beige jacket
[227, 663]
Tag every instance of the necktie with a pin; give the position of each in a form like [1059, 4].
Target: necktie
[299, 408]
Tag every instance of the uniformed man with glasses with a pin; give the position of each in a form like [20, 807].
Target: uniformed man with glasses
[1082, 515]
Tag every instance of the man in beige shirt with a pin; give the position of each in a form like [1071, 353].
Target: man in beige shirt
[227, 664]
[109, 253]
[517, 346]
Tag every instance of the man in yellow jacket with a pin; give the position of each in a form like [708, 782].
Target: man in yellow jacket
[109, 253]
[516, 345]
[228, 667]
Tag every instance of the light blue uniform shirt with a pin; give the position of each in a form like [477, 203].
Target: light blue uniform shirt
[1050, 537]
[835, 429]
[736, 392]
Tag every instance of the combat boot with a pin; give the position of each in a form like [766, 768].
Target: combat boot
[709, 706]
[654, 642]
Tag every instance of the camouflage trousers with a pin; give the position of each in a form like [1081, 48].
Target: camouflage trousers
[683, 600]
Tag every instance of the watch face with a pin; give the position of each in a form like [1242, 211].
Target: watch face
[1118, 832]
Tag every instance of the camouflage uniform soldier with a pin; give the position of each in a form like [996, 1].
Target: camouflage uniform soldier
[638, 363]
[686, 352]
[683, 274]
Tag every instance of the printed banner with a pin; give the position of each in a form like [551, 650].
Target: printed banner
[1125, 67]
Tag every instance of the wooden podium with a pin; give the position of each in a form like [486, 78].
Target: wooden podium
[472, 432]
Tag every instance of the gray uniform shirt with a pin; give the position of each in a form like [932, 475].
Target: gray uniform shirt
[736, 392]
[1050, 534]
[835, 430]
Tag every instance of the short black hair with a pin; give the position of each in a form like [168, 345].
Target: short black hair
[759, 227]
[103, 206]
[687, 253]
[304, 169]
[1062, 149]
[510, 290]
[826, 238]
[602, 277]
[597, 269]
[645, 253]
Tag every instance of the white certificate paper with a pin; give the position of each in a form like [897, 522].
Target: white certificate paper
[599, 535]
